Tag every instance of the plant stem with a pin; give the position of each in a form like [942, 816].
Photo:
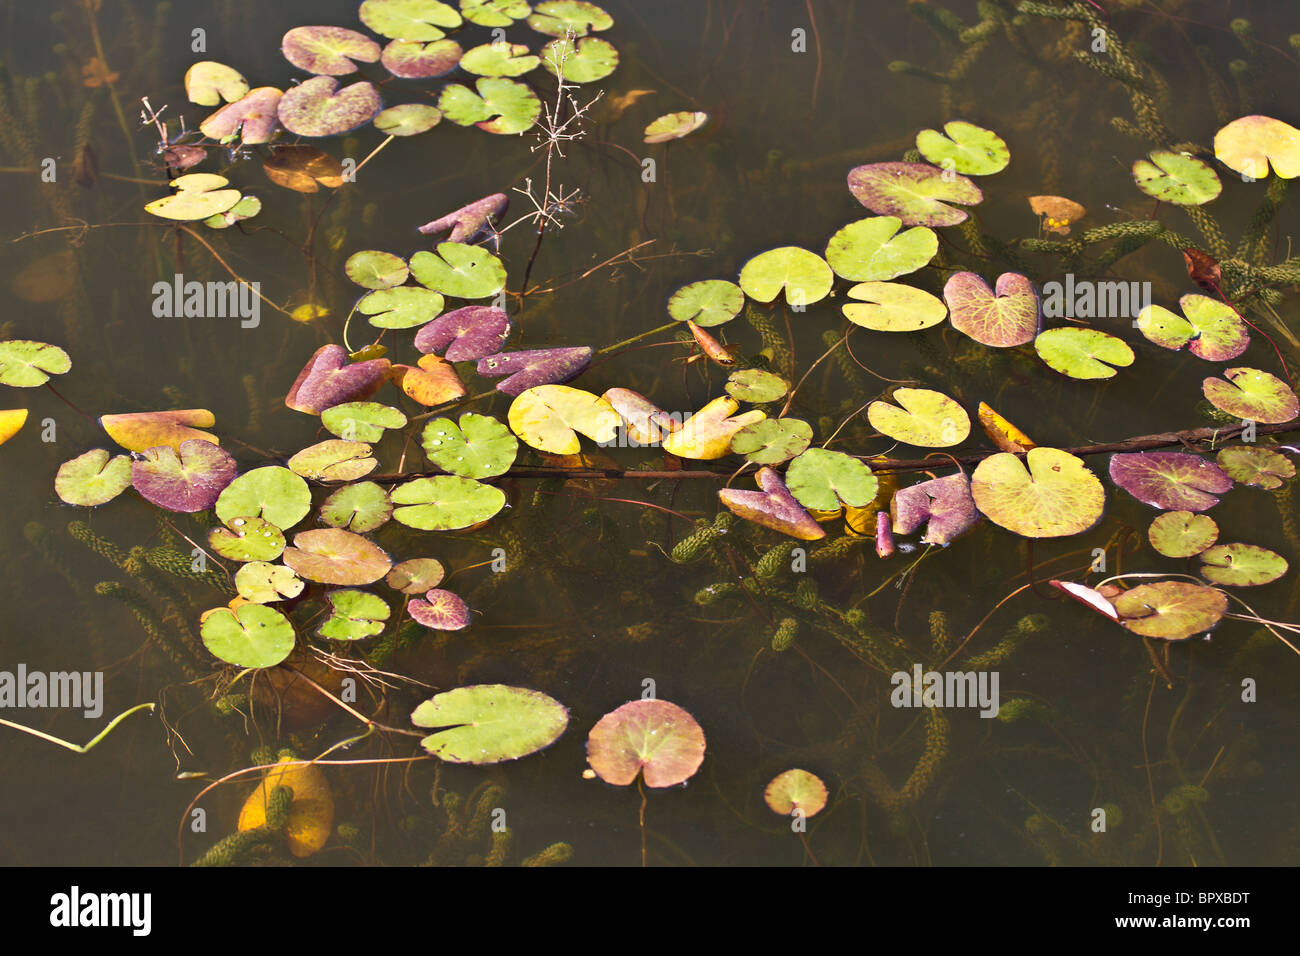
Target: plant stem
[78, 748]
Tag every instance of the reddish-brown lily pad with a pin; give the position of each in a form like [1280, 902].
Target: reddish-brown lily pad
[416, 60]
[653, 738]
[1171, 610]
[187, 479]
[440, 610]
[416, 575]
[465, 334]
[317, 107]
[1004, 316]
[530, 368]
[328, 380]
[335, 556]
[916, 193]
[1170, 480]
[330, 51]
[773, 507]
[944, 503]
[471, 222]
[254, 117]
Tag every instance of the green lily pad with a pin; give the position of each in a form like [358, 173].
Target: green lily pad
[1171, 610]
[1082, 353]
[1241, 565]
[873, 250]
[362, 421]
[893, 307]
[1049, 495]
[354, 615]
[1002, 317]
[968, 148]
[247, 539]
[821, 480]
[197, 196]
[334, 460]
[416, 575]
[1247, 145]
[246, 208]
[329, 51]
[407, 119]
[445, 503]
[589, 60]
[707, 303]
[440, 610]
[499, 59]
[653, 738]
[1252, 395]
[359, 507]
[494, 13]
[207, 83]
[253, 635]
[27, 364]
[927, 418]
[1176, 178]
[264, 583]
[500, 106]
[756, 386]
[672, 126]
[772, 440]
[93, 479]
[403, 308]
[1181, 534]
[804, 275]
[1215, 332]
[917, 193]
[489, 723]
[335, 556]
[372, 269]
[409, 19]
[479, 447]
[557, 18]
[273, 492]
[1255, 466]
[459, 270]
[796, 791]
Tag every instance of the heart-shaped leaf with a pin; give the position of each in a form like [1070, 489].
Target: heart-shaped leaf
[317, 107]
[551, 417]
[27, 364]
[197, 196]
[140, 431]
[916, 193]
[459, 270]
[466, 334]
[559, 18]
[402, 308]
[407, 119]
[187, 479]
[1169, 480]
[804, 276]
[584, 61]
[409, 19]
[372, 269]
[796, 791]
[334, 460]
[489, 723]
[479, 447]
[945, 504]
[1252, 395]
[1255, 466]
[927, 418]
[772, 440]
[362, 421]
[272, 492]
[500, 106]
[263, 583]
[708, 433]
[821, 480]
[440, 610]
[494, 13]
[1241, 565]
[707, 303]
[1002, 317]
[672, 126]
[335, 556]
[652, 738]
[499, 59]
[1176, 178]
[252, 120]
[1181, 534]
[445, 503]
[1171, 610]
[354, 615]
[311, 814]
[328, 380]
[645, 422]
[328, 51]
[416, 575]
[966, 148]
[532, 368]
[470, 222]
[208, 83]
[360, 507]
[303, 169]
[93, 479]
[756, 385]
[893, 307]
[873, 250]
[773, 507]
[1054, 496]
[247, 539]
[252, 635]
[1082, 353]
[1247, 145]
[418, 60]
[1214, 330]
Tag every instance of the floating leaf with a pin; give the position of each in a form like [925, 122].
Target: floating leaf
[263, 583]
[500, 106]
[1176, 178]
[466, 334]
[1056, 495]
[459, 270]
[207, 83]
[362, 421]
[252, 120]
[591, 59]
[197, 196]
[329, 51]
[773, 507]
[440, 610]
[1169, 480]
[756, 385]
[372, 269]
[707, 303]
[27, 364]
[1255, 466]
[499, 59]
[927, 418]
[1086, 595]
[407, 119]
[822, 480]
[252, 635]
[328, 380]
[335, 556]
[707, 434]
[354, 615]
[494, 13]
[303, 169]
[360, 507]
[479, 447]
[551, 417]
[1171, 610]
[1082, 353]
[489, 723]
[1252, 395]
[416, 575]
[334, 460]
[1241, 565]
[1001, 317]
[317, 107]
[653, 738]
[246, 208]
[311, 814]
[672, 126]
[247, 539]
[272, 492]
[469, 222]
[92, 479]
[796, 791]
[646, 422]
[187, 479]
[402, 308]
[917, 193]
[140, 431]
[772, 440]
[409, 19]
[804, 275]
[417, 60]
[1181, 534]
[445, 503]
[1214, 330]
[873, 249]
[1005, 435]
[435, 382]
[966, 148]
[1058, 211]
[945, 504]
[558, 18]
[1247, 145]
[892, 307]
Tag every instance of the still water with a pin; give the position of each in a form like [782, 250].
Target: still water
[592, 611]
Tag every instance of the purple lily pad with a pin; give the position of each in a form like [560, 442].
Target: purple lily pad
[414, 60]
[327, 380]
[470, 222]
[773, 507]
[469, 333]
[441, 610]
[917, 193]
[1170, 480]
[317, 107]
[533, 367]
[1001, 317]
[328, 50]
[254, 116]
[945, 503]
[187, 480]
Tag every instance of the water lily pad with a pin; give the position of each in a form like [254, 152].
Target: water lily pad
[328, 51]
[409, 19]
[556, 18]
[646, 422]
[417, 60]
[440, 610]
[445, 503]
[1170, 480]
[27, 364]
[401, 308]
[435, 382]
[490, 723]
[208, 83]
[494, 13]
[1082, 353]
[1247, 145]
[551, 417]
[1171, 610]
[303, 169]
[407, 119]
[967, 148]
[499, 59]
[823, 480]
[772, 507]
[917, 193]
[1004, 435]
[653, 738]
[707, 303]
[354, 615]
[479, 447]
[335, 556]
[359, 507]
[756, 385]
[470, 222]
[1176, 178]
[1252, 395]
[893, 307]
[772, 440]
[531, 368]
[1255, 466]
[93, 479]
[587, 61]
[804, 275]
[311, 814]
[1181, 534]
[1241, 565]
[1002, 317]
[197, 196]
[187, 479]
[945, 504]
[328, 380]
[262, 583]
[872, 249]
[796, 791]
[252, 120]
[459, 270]
[247, 539]
[1214, 330]
[372, 269]
[416, 575]
[252, 635]
[246, 208]
[272, 492]
[1056, 495]
[362, 421]
[465, 334]
[927, 418]
[707, 434]
[334, 460]
[140, 431]
[1058, 212]
[317, 107]
[499, 106]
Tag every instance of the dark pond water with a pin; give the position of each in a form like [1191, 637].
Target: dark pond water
[590, 608]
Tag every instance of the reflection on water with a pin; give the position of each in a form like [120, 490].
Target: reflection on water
[591, 607]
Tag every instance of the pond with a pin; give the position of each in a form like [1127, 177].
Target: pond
[1036, 255]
